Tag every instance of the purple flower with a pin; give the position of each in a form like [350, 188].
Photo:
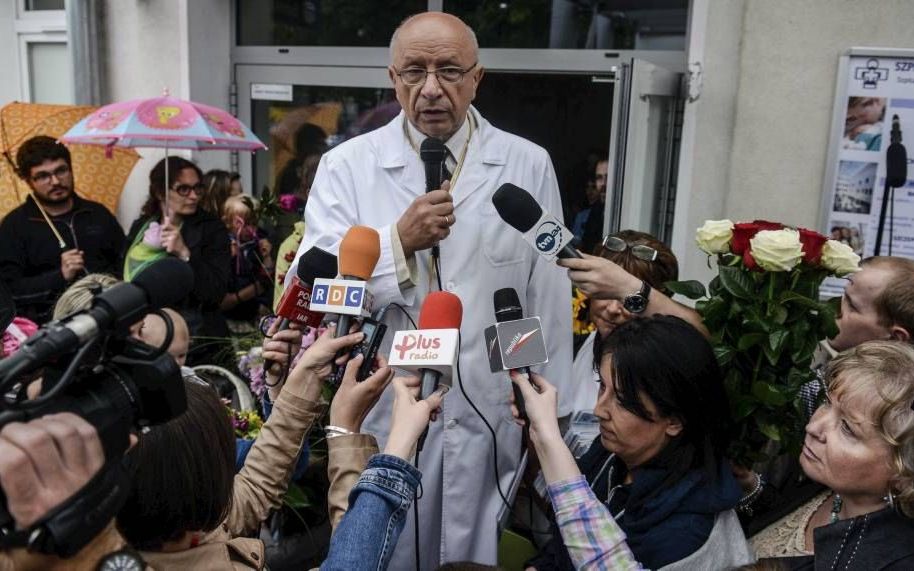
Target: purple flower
[288, 202]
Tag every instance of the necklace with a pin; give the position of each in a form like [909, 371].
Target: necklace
[836, 504]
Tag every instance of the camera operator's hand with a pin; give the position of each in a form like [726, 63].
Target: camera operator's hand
[316, 364]
[410, 417]
[45, 461]
[354, 400]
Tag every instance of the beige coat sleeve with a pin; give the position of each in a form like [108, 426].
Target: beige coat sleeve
[263, 481]
[348, 456]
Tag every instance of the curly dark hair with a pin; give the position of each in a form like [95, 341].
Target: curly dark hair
[157, 183]
[38, 150]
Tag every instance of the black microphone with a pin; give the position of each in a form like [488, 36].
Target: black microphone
[508, 308]
[433, 153]
[163, 283]
[896, 158]
[518, 208]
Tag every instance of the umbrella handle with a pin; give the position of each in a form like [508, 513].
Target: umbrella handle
[60, 242]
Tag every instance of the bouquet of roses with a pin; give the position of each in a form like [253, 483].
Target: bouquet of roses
[766, 320]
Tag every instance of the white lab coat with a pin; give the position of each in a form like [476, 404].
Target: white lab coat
[371, 180]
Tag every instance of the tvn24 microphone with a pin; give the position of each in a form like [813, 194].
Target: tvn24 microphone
[514, 343]
[360, 250]
[163, 283]
[544, 232]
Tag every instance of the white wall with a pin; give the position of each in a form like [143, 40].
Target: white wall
[9, 50]
[183, 45]
[763, 120]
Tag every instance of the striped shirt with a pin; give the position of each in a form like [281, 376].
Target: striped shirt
[593, 538]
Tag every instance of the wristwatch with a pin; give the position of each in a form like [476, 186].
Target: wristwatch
[637, 302]
[124, 560]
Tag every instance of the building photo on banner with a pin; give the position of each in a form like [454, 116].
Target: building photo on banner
[874, 109]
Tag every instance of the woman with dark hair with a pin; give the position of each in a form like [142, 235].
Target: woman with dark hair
[187, 232]
[666, 491]
[187, 509]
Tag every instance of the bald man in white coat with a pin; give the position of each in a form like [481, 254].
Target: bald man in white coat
[377, 180]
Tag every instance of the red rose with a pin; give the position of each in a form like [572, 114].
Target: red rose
[812, 245]
[742, 233]
[749, 261]
[768, 225]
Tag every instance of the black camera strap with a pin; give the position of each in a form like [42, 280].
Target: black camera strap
[75, 523]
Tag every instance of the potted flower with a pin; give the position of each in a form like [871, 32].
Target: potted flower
[766, 321]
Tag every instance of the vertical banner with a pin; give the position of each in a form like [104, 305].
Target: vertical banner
[874, 86]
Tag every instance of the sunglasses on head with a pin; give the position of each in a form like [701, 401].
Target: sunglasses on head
[186, 189]
[640, 251]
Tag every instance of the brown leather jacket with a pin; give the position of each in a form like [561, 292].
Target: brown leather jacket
[259, 488]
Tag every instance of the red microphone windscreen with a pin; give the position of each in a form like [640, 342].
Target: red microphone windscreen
[441, 310]
[359, 252]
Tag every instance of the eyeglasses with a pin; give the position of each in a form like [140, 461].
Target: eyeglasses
[44, 177]
[186, 189]
[416, 75]
[640, 251]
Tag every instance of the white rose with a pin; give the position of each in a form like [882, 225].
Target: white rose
[777, 250]
[714, 237]
[839, 258]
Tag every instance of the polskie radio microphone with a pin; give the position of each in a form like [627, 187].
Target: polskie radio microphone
[360, 250]
[294, 305]
[165, 282]
[431, 351]
[543, 231]
[433, 153]
[514, 343]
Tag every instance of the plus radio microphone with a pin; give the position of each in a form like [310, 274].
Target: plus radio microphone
[514, 343]
[360, 250]
[433, 153]
[544, 232]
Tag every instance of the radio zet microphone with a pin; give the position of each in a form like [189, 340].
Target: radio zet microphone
[543, 231]
[514, 343]
[360, 250]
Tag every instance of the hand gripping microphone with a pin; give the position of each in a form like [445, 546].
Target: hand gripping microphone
[360, 250]
[163, 283]
[544, 232]
[433, 153]
[432, 350]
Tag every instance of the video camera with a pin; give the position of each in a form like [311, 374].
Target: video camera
[90, 366]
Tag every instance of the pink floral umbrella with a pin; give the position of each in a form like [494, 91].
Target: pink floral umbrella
[163, 122]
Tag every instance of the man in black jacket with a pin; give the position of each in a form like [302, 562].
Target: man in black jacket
[32, 263]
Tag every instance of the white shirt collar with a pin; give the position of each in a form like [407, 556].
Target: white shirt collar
[454, 144]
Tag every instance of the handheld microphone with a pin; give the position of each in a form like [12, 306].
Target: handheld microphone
[432, 350]
[896, 158]
[544, 232]
[514, 343]
[433, 153]
[293, 306]
[163, 283]
[360, 250]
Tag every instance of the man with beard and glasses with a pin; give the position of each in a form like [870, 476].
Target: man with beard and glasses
[32, 262]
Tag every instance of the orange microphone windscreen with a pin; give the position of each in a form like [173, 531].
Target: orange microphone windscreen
[441, 310]
[359, 252]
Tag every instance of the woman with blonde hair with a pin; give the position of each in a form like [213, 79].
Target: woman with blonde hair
[860, 446]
